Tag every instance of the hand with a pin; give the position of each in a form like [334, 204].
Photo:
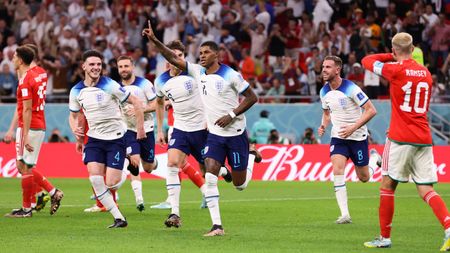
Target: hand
[160, 138]
[135, 160]
[27, 145]
[9, 137]
[224, 121]
[149, 32]
[129, 110]
[321, 130]
[141, 133]
[346, 131]
[79, 133]
[79, 147]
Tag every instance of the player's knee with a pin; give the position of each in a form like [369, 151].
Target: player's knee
[149, 167]
[364, 178]
[114, 184]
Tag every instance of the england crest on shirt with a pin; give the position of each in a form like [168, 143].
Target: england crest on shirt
[188, 85]
[219, 86]
[343, 102]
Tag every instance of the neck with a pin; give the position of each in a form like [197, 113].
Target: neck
[336, 82]
[129, 81]
[174, 71]
[22, 69]
[403, 57]
[213, 68]
[90, 82]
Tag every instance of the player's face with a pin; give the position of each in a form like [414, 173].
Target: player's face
[125, 69]
[16, 61]
[179, 55]
[92, 67]
[207, 56]
[329, 70]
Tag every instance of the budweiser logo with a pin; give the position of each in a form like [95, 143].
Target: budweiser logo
[292, 163]
[8, 168]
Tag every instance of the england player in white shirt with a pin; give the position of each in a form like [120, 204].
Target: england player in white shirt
[220, 87]
[342, 101]
[138, 151]
[104, 154]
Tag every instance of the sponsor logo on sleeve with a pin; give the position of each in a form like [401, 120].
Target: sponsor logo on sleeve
[378, 67]
[360, 96]
[24, 92]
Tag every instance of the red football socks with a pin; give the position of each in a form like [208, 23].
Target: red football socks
[386, 212]
[439, 208]
[27, 190]
[195, 176]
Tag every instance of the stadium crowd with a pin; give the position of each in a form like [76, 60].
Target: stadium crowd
[278, 46]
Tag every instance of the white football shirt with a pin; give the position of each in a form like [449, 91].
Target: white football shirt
[345, 105]
[220, 95]
[183, 92]
[144, 90]
[100, 105]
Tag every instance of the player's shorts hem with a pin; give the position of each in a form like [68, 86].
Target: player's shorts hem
[337, 153]
[425, 183]
[410, 143]
[38, 129]
[29, 165]
[397, 180]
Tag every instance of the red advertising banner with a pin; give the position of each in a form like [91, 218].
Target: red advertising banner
[280, 163]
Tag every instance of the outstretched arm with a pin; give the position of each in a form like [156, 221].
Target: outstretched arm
[165, 51]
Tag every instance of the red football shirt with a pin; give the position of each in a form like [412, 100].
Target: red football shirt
[410, 90]
[33, 86]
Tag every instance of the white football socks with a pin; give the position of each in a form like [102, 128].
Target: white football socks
[104, 196]
[137, 189]
[340, 190]
[212, 198]
[173, 188]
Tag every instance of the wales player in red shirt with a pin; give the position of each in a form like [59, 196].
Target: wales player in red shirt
[31, 130]
[408, 149]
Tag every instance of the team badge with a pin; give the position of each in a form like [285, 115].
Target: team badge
[343, 102]
[171, 142]
[219, 86]
[99, 97]
[331, 148]
[205, 150]
[129, 149]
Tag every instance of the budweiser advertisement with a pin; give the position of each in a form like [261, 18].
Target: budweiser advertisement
[280, 163]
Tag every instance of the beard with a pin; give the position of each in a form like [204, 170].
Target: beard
[126, 76]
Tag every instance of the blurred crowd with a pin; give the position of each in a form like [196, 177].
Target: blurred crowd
[278, 46]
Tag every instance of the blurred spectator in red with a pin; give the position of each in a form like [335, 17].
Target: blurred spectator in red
[440, 37]
[247, 65]
[357, 76]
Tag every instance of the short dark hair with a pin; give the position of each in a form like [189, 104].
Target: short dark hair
[92, 53]
[211, 44]
[124, 57]
[264, 114]
[34, 48]
[336, 59]
[178, 45]
[26, 54]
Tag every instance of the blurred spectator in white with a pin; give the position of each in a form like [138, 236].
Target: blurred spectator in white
[277, 89]
[325, 45]
[371, 84]
[8, 81]
[63, 22]
[440, 37]
[263, 15]
[67, 38]
[84, 33]
[276, 138]
[8, 60]
[102, 10]
[322, 12]
[133, 28]
[141, 67]
[256, 86]
[21, 12]
[309, 137]
[429, 19]
[391, 26]
[167, 16]
[75, 12]
[438, 90]
[297, 6]
[307, 36]
[42, 23]
[11, 45]
[258, 38]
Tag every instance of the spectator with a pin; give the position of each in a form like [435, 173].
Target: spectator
[276, 138]
[8, 81]
[357, 76]
[261, 128]
[440, 37]
[322, 12]
[371, 83]
[56, 136]
[308, 137]
[247, 65]
[256, 86]
[277, 89]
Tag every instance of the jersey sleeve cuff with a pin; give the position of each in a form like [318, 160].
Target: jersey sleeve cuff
[125, 99]
[243, 90]
[363, 103]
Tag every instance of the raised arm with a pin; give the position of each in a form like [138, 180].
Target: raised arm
[370, 61]
[165, 51]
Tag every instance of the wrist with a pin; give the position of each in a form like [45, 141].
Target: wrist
[232, 114]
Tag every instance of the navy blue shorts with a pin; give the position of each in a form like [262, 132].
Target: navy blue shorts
[234, 148]
[190, 143]
[109, 152]
[145, 147]
[358, 151]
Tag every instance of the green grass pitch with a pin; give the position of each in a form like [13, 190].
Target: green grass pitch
[266, 217]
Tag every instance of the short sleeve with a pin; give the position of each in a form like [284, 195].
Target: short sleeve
[158, 85]
[359, 96]
[26, 88]
[239, 83]
[149, 90]
[118, 91]
[74, 105]
[322, 100]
